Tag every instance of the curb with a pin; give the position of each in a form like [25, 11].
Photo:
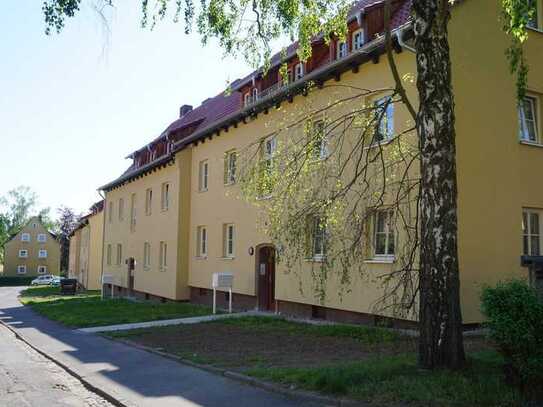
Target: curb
[252, 381]
[88, 385]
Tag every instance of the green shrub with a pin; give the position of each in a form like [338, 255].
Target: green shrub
[515, 321]
[15, 281]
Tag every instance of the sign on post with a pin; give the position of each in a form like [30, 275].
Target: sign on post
[225, 281]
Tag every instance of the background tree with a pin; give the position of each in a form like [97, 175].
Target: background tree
[67, 222]
[249, 27]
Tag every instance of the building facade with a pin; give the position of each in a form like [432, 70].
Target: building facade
[86, 248]
[34, 251]
[208, 227]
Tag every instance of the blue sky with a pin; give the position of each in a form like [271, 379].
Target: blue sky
[73, 105]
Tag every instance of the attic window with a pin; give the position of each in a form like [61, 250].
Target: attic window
[299, 71]
[341, 49]
[358, 39]
[247, 99]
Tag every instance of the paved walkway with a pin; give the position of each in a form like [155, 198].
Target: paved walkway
[131, 375]
[165, 322]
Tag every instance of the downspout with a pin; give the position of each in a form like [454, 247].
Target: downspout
[103, 246]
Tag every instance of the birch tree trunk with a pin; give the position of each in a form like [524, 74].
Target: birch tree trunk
[440, 343]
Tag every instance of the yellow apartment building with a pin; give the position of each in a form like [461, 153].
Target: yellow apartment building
[86, 248]
[208, 227]
[32, 252]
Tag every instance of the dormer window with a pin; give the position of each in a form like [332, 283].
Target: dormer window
[247, 99]
[255, 94]
[358, 39]
[341, 49]
[299, 71]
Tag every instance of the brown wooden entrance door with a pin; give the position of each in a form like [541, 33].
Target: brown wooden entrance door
[266, 278]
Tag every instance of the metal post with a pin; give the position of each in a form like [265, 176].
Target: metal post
[214, 301]
[230, 300]
[112, 291]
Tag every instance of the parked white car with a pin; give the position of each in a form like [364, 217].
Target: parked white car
[43, 280]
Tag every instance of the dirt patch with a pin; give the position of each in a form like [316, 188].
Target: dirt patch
[240, 347]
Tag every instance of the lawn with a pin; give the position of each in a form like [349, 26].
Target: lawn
[88, 309]
[358, 362]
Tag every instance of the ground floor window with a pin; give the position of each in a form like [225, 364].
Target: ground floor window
[531, 235]
[42, 269]
[21, 269]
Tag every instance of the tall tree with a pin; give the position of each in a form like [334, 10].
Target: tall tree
[440, 317]
[67, 222]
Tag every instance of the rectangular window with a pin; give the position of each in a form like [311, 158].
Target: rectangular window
[25, 237]
[203, 176]
[319, 140]
[528, 119]
[341, 50]
[42, 269]
[247, 99]
[108, 256]
[201, 250]
[148, 201]
[133, 213]
[228, 240]
[121, 209]
[119, 254]
[531, 232]
[230, 162]
[23, 254]
[110, 213]
[42, 237]
[384, 119]
[146, 255]
[319, 238]
[299, 71]
[358, 39]
[21, 269]
[163, 256]
[533, 21]
[165, 198]
[42, 254]
[383, 234]
[255, 95]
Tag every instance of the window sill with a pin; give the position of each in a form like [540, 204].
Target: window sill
[202, 190]
[229, 184]
[263, 198]
[531, 143]
[381, 260]
[537, 30]
[227, 258]
[316, 259]
[381, 143]
[201, 257]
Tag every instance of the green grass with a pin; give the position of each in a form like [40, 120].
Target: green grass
[364, 334]
[88, 309]
[394, 379]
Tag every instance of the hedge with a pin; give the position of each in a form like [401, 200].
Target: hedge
[15, 281]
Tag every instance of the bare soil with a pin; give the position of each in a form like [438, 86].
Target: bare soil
[240, 347]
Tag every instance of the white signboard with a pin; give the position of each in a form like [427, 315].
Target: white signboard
[107, 279]
[223, 280]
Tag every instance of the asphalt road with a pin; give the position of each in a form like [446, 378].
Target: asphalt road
[29, 379]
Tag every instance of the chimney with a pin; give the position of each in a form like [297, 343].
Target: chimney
[183, 110]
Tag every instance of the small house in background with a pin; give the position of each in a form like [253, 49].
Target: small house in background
[32, 252]
[85, 263]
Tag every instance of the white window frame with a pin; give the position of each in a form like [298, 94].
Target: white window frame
[146, 255]
[42, 254]
[247, 99]
[319, 237]
[388, 233]
[299, 71]
[384, 130]
[229, 240]
[528, 232]
[25, 237]
[230, 167]
[23, 254]
[42, 237]
[110, 212]
[148, 202]
[119, 256]
[133, 212]
[165, 196]
[321, 151]
[163, 256]
[43, 269]
[109, 254]
[203, 176]
[120, 210]
[21, 269]
[524, 133]
[356, 45]
[202, 239]
[342, 49]
[254, 94]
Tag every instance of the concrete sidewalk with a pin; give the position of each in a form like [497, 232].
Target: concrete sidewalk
[131, 376]
[165, 322]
